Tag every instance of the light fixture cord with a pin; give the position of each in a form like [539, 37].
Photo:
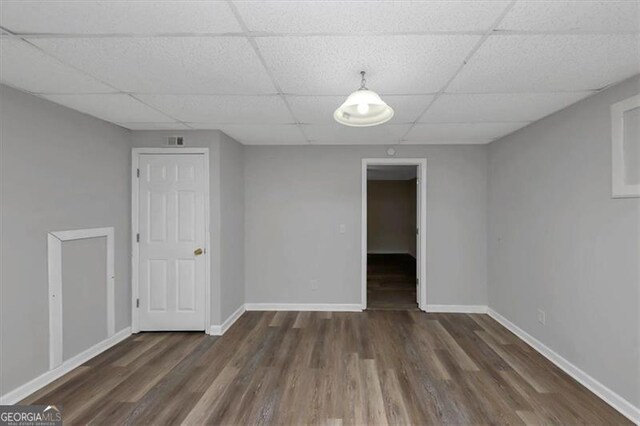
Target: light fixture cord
[363, 82]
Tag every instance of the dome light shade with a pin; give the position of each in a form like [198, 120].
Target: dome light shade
[363, 108]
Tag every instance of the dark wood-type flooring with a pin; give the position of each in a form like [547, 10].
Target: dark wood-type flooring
[391, 281]
[294, 368]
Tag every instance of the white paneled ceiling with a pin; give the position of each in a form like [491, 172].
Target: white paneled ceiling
[117, 17]
[608, 16]
[337, 134]
[400, 64]
[111, 107]
[28, 68]
[260, 134]
[330, 17]
[229, 109]
[272, 72]
[495, 107]
[472, 132]
[194, 65]
[549, 63]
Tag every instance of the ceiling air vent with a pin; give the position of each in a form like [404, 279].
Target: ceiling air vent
[175, 141]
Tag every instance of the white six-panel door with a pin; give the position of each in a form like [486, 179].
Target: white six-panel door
[171, 222]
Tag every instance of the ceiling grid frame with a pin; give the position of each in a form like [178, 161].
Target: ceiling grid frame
[480, 42]
[502, 25]
[117, 91]
[250, 38]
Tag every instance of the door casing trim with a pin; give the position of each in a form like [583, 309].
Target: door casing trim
[135, 253]
[422, 223]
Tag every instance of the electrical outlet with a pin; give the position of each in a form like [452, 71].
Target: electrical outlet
[314, 285]
[343, 228]
[542, 317]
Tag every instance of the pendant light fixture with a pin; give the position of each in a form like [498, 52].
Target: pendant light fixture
[363, 108]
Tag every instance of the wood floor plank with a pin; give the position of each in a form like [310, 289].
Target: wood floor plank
[337, 368]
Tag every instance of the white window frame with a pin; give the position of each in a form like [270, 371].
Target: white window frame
[54, 254]
[619, 187]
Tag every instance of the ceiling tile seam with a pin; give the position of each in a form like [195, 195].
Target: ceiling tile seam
[475, 48]
[248, 33]
[328, 95]
[259, 34]
[508, 32]
[255, 34]
[274, 81]
[132, 96]
[526, 92]
[289, 95]
[474, 122]
[55, 58]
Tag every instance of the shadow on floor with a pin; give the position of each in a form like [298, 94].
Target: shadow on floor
[391, 282]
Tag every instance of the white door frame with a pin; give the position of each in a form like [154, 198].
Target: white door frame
[135, 251]
[422, 223]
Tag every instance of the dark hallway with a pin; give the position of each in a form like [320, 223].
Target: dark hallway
[391, 282]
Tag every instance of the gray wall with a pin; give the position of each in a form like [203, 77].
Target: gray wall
[297, 197]
[84, 315]
[559, 242]
[226, 199]
[232, 229]
[391, 216]
[60, 170]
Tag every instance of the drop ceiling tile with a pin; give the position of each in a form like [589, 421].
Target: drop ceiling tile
[222, 109]
[154, 126]
[438, 132]
[368, 16]
[259, 134]
[549, 63]
[116, 108]
[319, 65]
[459, 108]
[178, 65]
[599, 16]
[117, 17]
[25, 67]
[319, 109]
[336, 134]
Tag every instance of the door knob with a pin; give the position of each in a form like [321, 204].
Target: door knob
[198, 251]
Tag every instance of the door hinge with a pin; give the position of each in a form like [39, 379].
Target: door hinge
[138, 172]
[137, 238]
[417, 231]
[137, 303]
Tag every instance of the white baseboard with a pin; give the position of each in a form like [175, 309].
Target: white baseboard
[219, 330]
[610, 397]
[457, 309]
[323, 307]
[41, 381]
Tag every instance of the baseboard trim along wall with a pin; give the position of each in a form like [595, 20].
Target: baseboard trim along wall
[457, 309]
[219, 330]
[39, 382]
[610, 397]
[321, 307]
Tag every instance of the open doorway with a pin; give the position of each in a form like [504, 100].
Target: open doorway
[393, 247]
[391, 237]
